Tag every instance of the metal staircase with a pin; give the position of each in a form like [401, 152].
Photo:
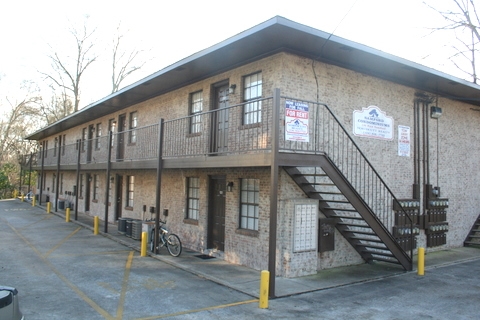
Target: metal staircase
[355, 220]
[473, 237]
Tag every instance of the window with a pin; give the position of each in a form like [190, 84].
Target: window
[55, 146]
[84, 138]
[112, 124]
[252, 90]
[61, 183]
[44, 180]
[64, 138]
[193, 195]
[249, 201]
[133, 125]
[130, 189]
[80, 193]
[98, 134]
[45, 148]
[54, 177]
[196, 107]
[96, 186]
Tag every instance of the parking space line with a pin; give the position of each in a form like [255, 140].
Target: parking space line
[123, 293]
[62, 242]
[199, 310]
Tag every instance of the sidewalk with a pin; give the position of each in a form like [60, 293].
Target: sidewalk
[247, 280]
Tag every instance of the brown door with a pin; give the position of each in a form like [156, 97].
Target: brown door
[122, 123]
[220, 125]
[216, 216]
[90, 143]
[118, 195]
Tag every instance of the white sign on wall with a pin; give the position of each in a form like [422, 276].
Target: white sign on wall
[296, 121]
[404, 141]
[373, 123]
[305, 229]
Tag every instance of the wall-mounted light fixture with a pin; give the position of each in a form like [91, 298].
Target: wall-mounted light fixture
[435, 112]
[112, 179]
[231, 90]
[230, 186]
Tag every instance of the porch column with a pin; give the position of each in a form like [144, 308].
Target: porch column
[107, 174]
[158, 188]
[272, 245]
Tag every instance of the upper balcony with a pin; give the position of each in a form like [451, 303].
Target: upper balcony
[239, 135]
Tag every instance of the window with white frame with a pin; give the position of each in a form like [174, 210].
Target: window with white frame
[61, 183]
[64, 138]
[130, 190]
[54, 178]
[98, 134]
[252, 90]
[133, 126]
[196, 107]
[84, 138]
[112, 124]
[55, 146]
[193, 198]
[249, 203]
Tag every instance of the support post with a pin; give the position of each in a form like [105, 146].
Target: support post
[107, 189]
[33, 201]
[42, 154]
[57, 180]
[79, 146]
[49, 207]
[421, 261]
[143, 251]
[272, 244]
[95, 225]
[264, 280]
[158, 189]
[67, 215]
[30, 173]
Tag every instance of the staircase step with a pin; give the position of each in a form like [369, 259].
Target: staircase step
[343, 223]
[471, 243]
[367, 233]
[365, 239]
[334, 201]
[386, 254]
[340, 209]
[373, 246]
[346, 217]
[395, 261]
[470, 236]
[331, 193]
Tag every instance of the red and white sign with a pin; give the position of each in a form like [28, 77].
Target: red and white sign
[296, 121]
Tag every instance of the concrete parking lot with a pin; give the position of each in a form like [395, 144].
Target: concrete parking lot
[63, 271]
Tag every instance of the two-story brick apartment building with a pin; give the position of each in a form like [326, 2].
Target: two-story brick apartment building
[282, 147]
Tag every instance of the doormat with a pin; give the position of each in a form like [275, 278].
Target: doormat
[204, 256]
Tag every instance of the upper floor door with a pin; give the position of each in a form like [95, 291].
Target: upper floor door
[220, 120]
[122, 124]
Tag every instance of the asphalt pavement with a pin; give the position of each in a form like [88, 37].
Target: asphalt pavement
[80, 272]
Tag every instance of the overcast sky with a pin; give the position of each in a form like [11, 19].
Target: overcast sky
[172, 30]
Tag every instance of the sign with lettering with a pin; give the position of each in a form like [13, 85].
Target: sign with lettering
[404, 141]
[373, 123]
[296, 121]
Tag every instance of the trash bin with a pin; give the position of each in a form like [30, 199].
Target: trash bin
[61, 204]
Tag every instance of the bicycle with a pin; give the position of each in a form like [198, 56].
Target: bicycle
[169, 240]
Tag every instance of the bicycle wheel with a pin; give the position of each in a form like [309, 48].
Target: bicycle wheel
[152, 241]
[174, 245]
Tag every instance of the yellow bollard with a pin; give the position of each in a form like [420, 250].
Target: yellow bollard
[23, 197]
[49, 207]
[143, 251]
[95, 225]
[264, 285]
[421, 261]
[15, 193]
[67, 215]
[33, 201]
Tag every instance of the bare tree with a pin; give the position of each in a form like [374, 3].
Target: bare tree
[464, 21]
[57, 107]
[19, 119]
[122, 61]
[68, 71]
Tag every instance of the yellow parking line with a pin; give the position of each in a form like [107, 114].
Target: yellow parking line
[62, 242]
[126, 275]
[200, 310]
